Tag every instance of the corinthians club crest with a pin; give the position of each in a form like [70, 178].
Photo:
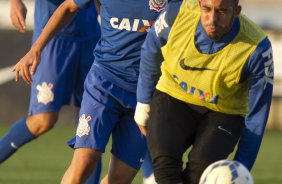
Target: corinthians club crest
[83, 126]
[157, 5]
[45, 94]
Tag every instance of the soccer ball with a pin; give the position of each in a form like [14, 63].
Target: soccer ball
[226, 172]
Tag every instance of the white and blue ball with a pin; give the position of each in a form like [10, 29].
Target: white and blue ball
[226, 172]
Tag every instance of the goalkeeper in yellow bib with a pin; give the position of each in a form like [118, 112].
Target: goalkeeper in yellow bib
[206, 80]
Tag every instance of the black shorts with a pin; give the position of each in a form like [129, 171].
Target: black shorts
[174, 126]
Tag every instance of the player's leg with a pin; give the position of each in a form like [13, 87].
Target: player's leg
[25, 131]
[148, 170]
[85, 62]
[83, 164]
[217, 136]
[119, 172]
[53, 84]
[86, 157]
[38, 124]
[99, 114]
[94, 178]
[170, 131]
[128, 151]
[17, 136]
[49, 92]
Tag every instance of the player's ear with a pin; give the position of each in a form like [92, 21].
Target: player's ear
[238, 9]
[200, 2]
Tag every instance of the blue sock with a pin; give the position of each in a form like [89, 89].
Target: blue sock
[147, 167]
[95, 177]
[16, 137]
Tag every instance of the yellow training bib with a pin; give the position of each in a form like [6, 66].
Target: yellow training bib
[210, 80]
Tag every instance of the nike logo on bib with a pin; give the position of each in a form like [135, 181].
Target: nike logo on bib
[186, 67]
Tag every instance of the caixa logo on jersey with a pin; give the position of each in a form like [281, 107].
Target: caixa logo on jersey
[157, 5]
[137, 25]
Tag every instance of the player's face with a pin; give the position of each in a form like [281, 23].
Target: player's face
[217, 16]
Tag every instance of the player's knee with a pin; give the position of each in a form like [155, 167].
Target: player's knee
[41, 123]
[120, 176]
[112, 180]
[46, 126]
[84, 162]
[196, 166]
[167, 170]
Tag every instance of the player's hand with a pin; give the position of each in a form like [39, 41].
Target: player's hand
[141, 116]
[18, 14]
[143, 129]
[27, 66]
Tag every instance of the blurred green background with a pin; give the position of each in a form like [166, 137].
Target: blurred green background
[45, 160]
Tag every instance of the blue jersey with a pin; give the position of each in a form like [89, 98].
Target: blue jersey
[84, 26]
[124, 25]
[258, 72]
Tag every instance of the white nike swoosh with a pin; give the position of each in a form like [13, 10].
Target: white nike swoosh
[223, 129]
[13, 145]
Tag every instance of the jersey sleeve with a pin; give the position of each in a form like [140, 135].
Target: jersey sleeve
[260, 79]
[151, 55]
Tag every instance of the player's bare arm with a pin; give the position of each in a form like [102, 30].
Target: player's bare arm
[61, 17]
[18, 14]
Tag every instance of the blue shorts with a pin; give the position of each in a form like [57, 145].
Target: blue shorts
[60, 75]
[108, 110]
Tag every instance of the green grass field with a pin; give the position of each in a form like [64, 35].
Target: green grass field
[44, 160]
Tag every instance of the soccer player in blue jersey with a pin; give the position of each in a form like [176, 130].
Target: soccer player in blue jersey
[64, 63]
[206, 80]
[109, 98]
